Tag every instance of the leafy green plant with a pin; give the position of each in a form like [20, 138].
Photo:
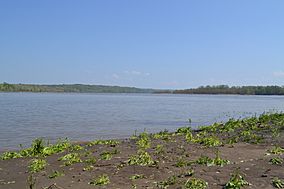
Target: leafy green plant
[218, 161]
[189, 137]
[106, 155]
[164, 135]
[137, 176]
[181, 162]
[55, 174]
[37, 165]
[104, 142]
[168, 182]
[183, 130]
[38, 148]
[276, 160]
[75, 147]
[236, 181]
[195, 183]
[159, 149]
[277, 150]
[209, 141]
[70, 159]
[91, 160]
[101, 180]
[144, 141]
[10, 155]
[142, 158]
[278, 183]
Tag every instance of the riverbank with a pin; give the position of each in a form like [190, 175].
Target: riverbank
[246, 152]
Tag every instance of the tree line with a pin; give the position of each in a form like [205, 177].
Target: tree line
[75, 88]
[239, 90]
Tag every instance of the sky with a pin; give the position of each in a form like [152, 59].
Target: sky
[165, 44]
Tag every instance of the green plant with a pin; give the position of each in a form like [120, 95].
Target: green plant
[55, 174]
[195, 183]
[278, 183]
[218, 160]
[10, 155]
[101, 180]
[137, 176]
[106, 155]
[70, 159]
[181, 162]
[37, 165]
[189, 137]
[164, 135]
[236, 181]
[166, 183]
[209, 141]
[75, 147]
[204, 160]
[277, 150]
[104, 142]
[91, 160]
[38, 148]
[276, 160]
[159, 149]
[141, 158]
[144, 141]
[183, 130]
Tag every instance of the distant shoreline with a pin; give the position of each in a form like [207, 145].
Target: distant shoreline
[81, 88]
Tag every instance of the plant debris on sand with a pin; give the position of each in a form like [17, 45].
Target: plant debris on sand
[241, 153]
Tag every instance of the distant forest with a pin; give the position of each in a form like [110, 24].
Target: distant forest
[244, 90]
[72, 88]
[80, 88]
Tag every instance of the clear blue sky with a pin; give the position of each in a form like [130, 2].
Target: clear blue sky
[146, 43]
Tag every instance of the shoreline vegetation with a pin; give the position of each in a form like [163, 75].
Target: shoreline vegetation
[240, 153]
[80, 88]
